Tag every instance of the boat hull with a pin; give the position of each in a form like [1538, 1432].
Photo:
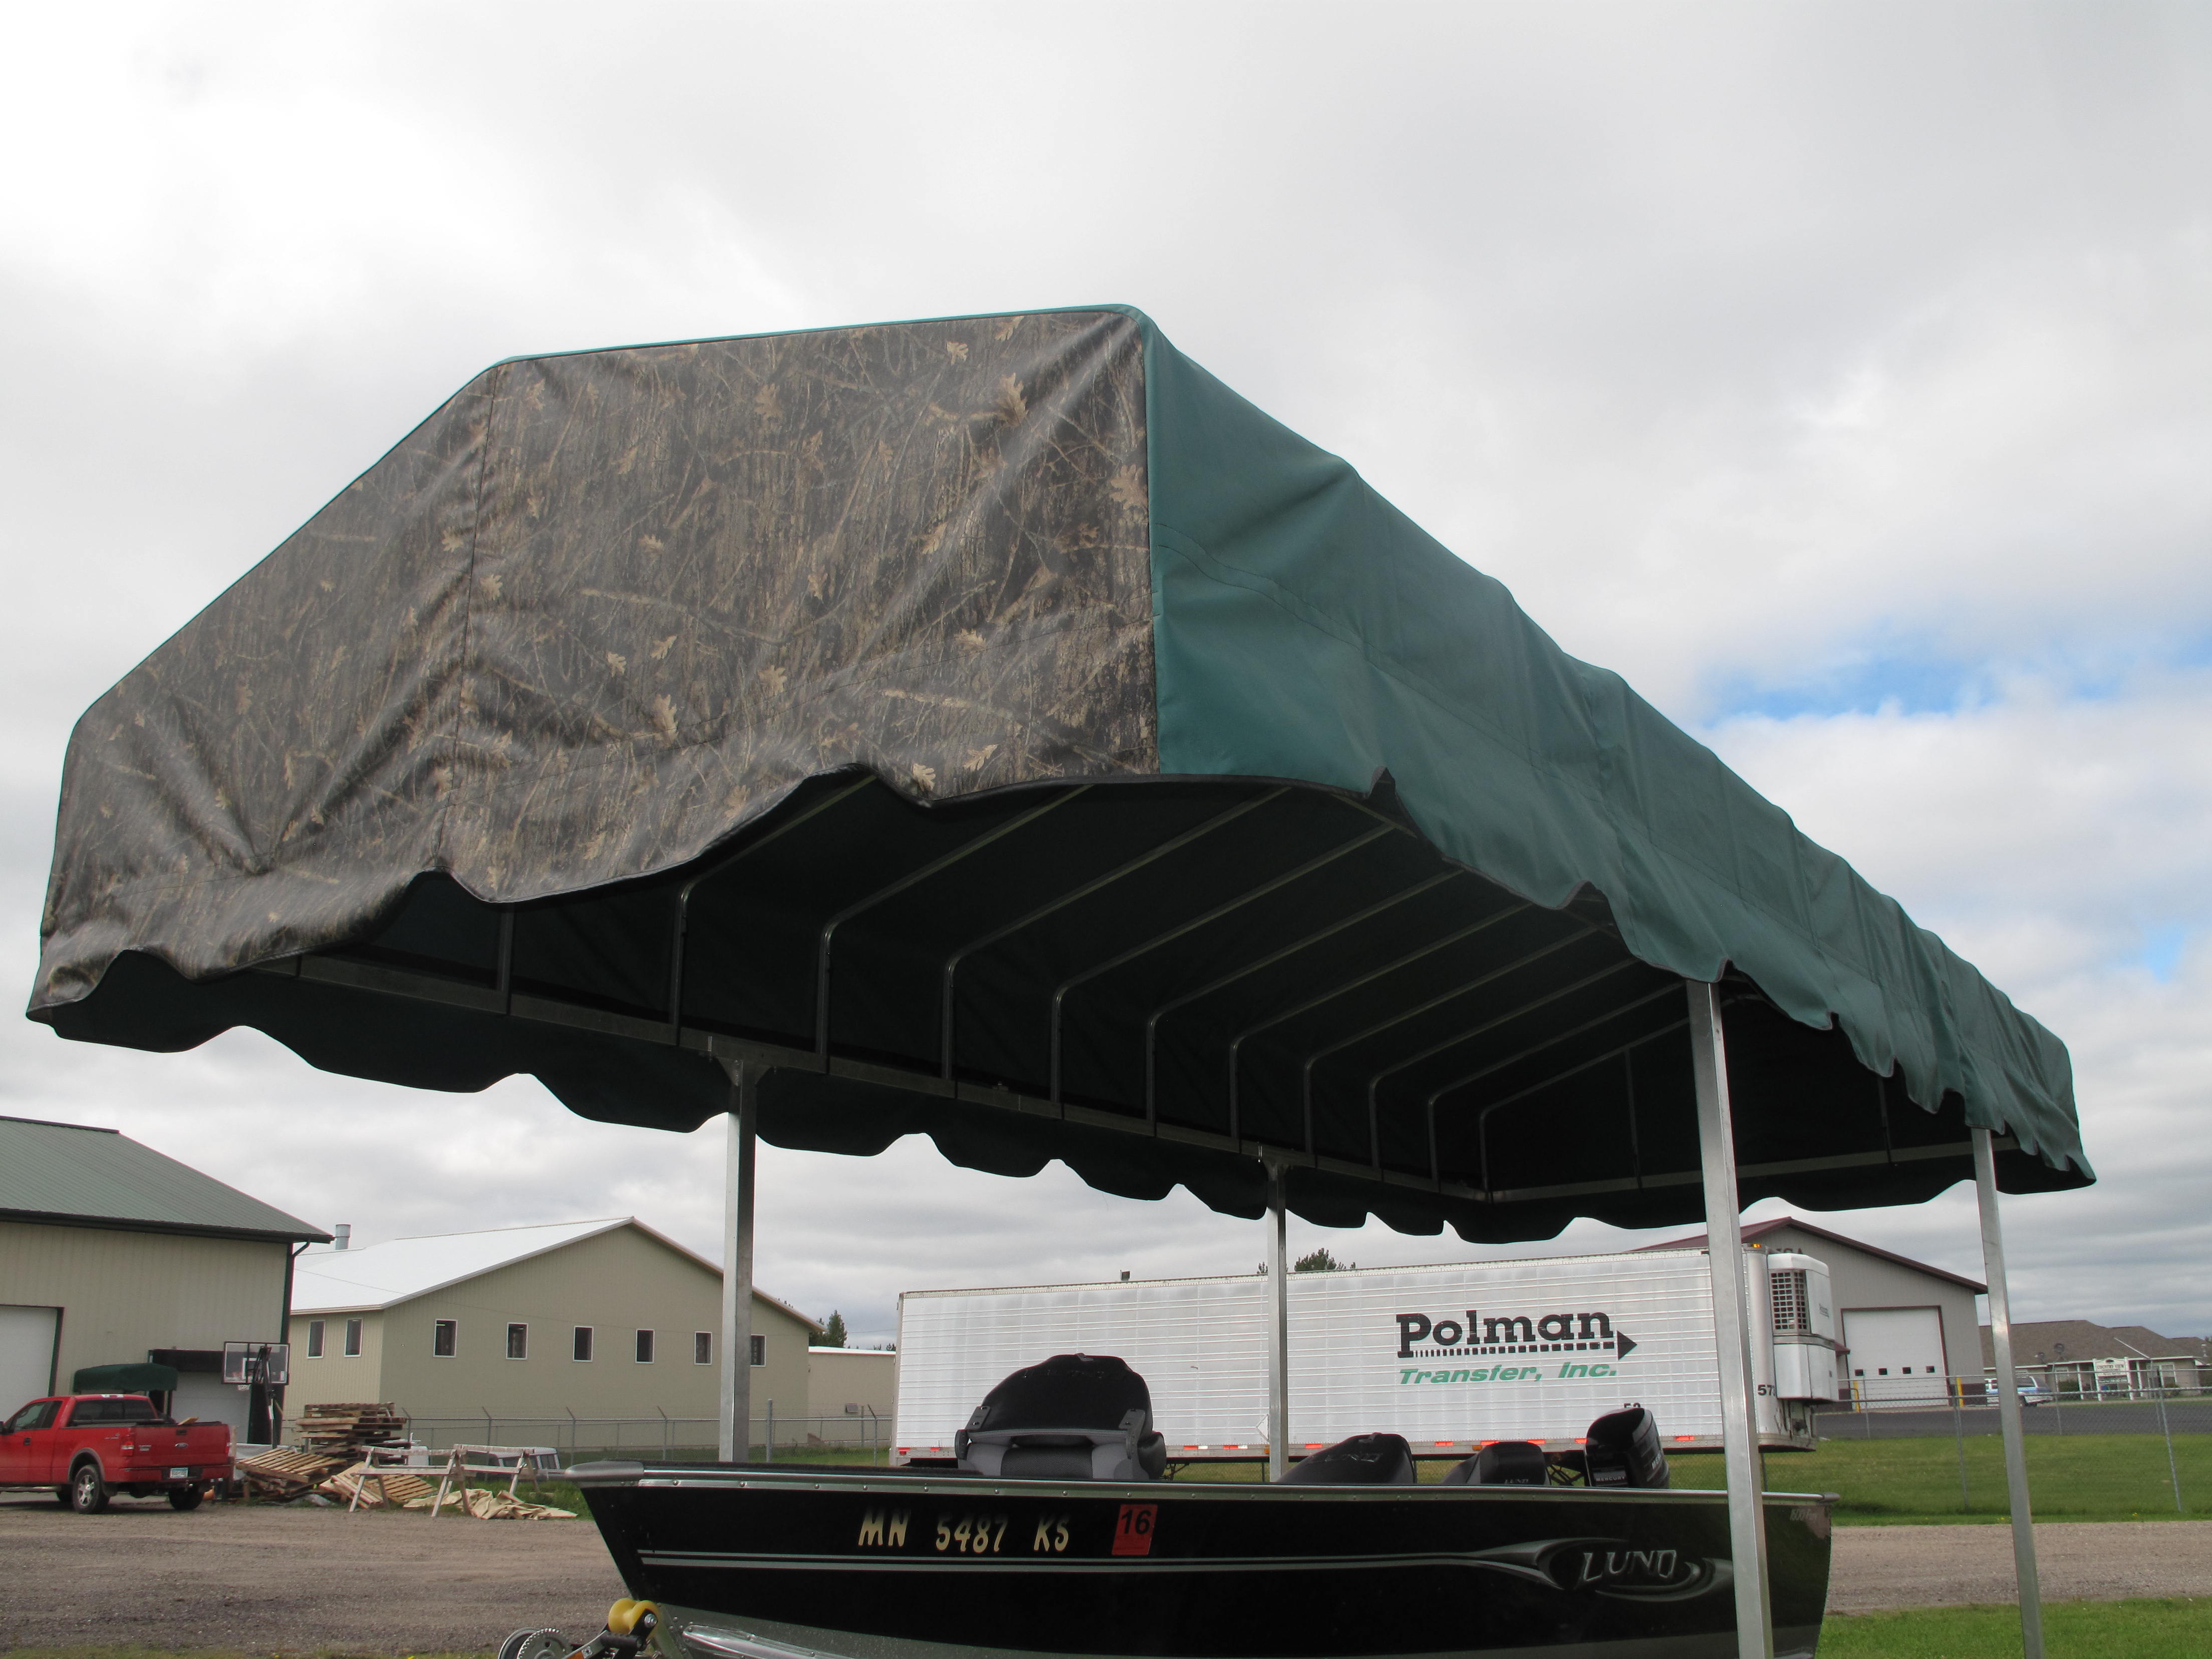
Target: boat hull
[756, 1563]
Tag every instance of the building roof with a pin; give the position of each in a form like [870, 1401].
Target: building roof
[373, 1276]
[2064, 1341]
[72, 1174]
[1759, 1231]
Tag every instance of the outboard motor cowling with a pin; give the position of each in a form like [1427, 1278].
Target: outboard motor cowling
[1623, 1450]
[1076, 1417]
[1502, 1463]
[1365, 1460]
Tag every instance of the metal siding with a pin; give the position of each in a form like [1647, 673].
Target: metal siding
[1862, 1281]
[63, 1170]
[1200, 1346]
[862, 1377]
[616, 1282]
[122, 1293]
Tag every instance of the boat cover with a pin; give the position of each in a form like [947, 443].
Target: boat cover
[604, 616]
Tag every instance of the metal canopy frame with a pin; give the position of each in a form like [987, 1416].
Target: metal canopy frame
[1402, 1041]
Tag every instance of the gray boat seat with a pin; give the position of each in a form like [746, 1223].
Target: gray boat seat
[1365, 1460]
[1502, 1463]
[1076, 1417]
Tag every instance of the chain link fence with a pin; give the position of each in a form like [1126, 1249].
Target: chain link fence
[2146, 1452]
[864, 1438]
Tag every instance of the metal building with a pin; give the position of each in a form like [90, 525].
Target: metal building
[113, 1253]
[1909, 1330]
[599, 1320]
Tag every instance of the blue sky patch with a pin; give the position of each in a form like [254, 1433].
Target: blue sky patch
[1915, 683]
[2161, 951]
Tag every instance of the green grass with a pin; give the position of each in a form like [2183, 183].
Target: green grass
[2100, 1477]
[2105, 1477]
[2071, 1630]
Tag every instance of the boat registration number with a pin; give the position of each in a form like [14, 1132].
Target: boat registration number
[971, 1535]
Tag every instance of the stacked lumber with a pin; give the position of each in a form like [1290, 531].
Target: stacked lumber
[492, 1504]
[279, 1475]
[348, 1428]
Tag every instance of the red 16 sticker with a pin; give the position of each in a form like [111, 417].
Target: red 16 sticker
[1133, 1531]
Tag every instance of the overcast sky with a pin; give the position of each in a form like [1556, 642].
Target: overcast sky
[1841, 375]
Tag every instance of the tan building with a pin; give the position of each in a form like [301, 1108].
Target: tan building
[527, 1330]
[2074, 1358]
[112, 1253]
[1909, 1330]
[852, 1382]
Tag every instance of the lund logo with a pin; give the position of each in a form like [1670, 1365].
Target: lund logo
[884, 1531]
[1611, 1567]
[1637, 1569]
[1551, 1333]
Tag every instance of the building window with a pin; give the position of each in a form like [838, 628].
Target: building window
[442, 1338]
[518, 1341]
[760, 1351]
[353, 1338]
[702, 1347]
[583, 1346]
[645, 1347]
[314, 1338]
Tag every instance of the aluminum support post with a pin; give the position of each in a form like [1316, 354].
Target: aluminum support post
[1754, 1616]
[2015, 1449]
[734, 1438]
[1279, 1328]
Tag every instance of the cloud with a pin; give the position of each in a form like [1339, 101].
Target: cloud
[1836, 375]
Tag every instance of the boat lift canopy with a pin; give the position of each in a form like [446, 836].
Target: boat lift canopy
[994, 728]
[1024, 741]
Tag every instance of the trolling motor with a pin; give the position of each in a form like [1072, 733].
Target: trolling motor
[630, 1626]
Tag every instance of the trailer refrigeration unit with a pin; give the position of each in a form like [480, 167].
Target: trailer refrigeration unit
[1450, 1357]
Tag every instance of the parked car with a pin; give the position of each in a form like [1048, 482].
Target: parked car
[2034, 1393]
[87, 1447]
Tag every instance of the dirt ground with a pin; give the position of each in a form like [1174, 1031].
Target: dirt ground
[1881, 1567]
[269, 1580]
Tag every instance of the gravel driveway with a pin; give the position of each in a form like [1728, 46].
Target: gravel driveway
[1879, 1567]
[269, 1580]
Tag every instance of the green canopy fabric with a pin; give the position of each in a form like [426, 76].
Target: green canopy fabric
[124, 1379]
[996, 729]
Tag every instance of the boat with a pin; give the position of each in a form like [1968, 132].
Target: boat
[769, 1561]
[1052, 1531]
[995, 729]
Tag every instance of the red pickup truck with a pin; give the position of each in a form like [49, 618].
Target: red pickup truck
[86, 1447]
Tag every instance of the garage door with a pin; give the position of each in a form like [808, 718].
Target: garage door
[26, 1354]
[1896, 1355]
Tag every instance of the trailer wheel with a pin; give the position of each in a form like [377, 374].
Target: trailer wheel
[186, 1498]
[87, 1489]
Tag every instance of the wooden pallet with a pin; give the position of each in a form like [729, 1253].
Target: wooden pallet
[283, 1473]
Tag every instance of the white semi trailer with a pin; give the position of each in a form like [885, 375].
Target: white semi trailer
[1449, 1357]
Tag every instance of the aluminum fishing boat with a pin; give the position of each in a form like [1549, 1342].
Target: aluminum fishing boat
[764, 1561]
[1054, 1533]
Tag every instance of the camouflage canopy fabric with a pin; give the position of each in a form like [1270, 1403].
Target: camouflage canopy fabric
[604, 618]
[600, 610]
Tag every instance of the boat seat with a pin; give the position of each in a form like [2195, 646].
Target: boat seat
[1502, 1463]
[1365, 1460]
[1075, 1417]
[1623, 1450]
